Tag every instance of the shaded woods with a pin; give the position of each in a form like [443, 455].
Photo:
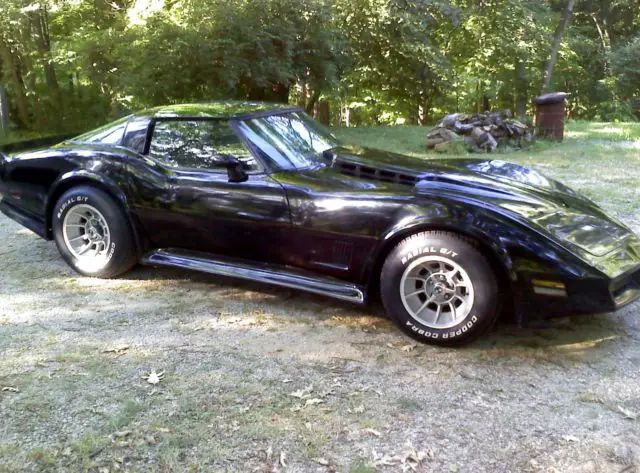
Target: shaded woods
[67, 65]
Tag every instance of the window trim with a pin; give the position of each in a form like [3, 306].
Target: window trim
[232, 124]
[126, 130]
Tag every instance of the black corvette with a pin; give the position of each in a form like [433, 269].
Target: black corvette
[262, 192]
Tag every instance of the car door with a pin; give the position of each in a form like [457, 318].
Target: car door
[336, 220]
[206, 211]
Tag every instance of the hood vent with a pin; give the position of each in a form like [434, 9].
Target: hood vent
[366, 172]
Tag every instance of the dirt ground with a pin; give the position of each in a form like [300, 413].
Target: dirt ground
[271, 380]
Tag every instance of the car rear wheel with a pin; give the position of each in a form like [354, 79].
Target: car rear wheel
[92, 233]
[439, 288]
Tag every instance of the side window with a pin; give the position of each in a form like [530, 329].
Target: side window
[135, 136]
[110, 134]
[197, 144]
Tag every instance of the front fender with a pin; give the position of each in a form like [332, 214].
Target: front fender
[517, 248]
[447, 217]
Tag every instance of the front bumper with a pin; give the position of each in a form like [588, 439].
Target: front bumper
[582, 296]
[626, 289]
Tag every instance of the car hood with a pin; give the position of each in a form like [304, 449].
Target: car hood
[523, 193]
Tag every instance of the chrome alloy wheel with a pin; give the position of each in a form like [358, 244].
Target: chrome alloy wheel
[86, 234]
[436, 292]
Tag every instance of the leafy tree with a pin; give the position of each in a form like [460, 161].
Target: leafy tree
[70, 64]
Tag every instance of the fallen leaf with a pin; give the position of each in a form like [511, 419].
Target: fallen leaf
[412, 458]
[627, 413]
[409, 347]
[570, 438]
[321, 461]
[118, 349]
[154, 377]
[328, 392]
[302, 393]
[384, 459]
[286, 381]
[10, 389]
[373, 432]
[313, 402]
[369, 388]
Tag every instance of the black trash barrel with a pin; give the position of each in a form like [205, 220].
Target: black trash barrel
[550, 116]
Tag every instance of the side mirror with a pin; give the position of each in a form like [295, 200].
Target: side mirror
[235, 168]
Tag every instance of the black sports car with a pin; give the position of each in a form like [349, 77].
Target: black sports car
[262, 192]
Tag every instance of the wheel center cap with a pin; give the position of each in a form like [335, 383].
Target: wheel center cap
[93, 232]
[441, 292]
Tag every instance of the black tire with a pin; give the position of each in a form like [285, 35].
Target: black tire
[432, 249]
[119, 257]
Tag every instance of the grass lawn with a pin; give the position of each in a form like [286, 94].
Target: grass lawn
[262, 379]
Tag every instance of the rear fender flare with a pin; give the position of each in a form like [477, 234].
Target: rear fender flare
[83, 177]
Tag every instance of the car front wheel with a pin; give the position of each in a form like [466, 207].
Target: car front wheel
[92, 233]
[439, 288]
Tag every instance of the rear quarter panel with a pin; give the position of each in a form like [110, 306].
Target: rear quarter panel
[32, 182]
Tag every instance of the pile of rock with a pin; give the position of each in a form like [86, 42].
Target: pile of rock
[482, 132]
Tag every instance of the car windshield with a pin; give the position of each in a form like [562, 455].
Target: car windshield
[289, 141]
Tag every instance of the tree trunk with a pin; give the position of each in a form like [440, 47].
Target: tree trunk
[423, 113]
[323, 112]
[605, 41]
[4, 112]
[39, 23]
[521, 90]
[486, 104]
[555, 45]
[31, 85]
[16, 76]
[301, 94]
[311, 103]
[281, 93]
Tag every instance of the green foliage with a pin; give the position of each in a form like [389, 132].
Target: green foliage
[72, 64]
[625, 63]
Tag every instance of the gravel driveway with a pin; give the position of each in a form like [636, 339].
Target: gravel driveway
[262, 379]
